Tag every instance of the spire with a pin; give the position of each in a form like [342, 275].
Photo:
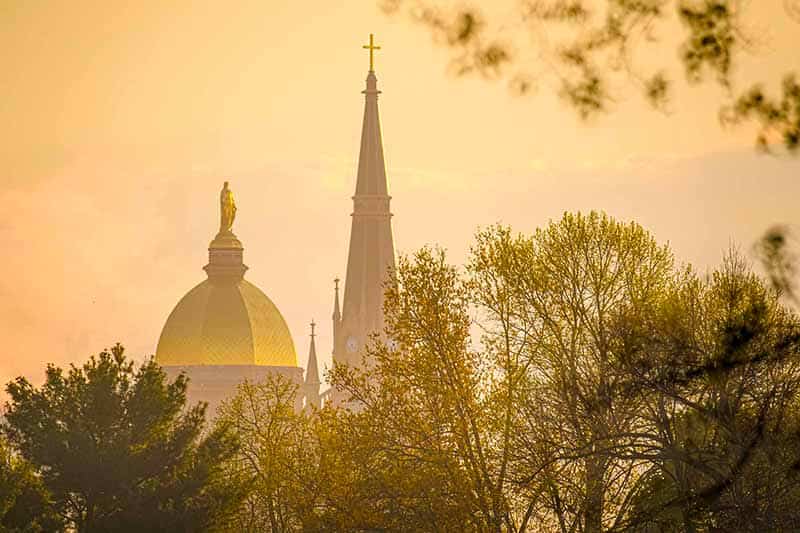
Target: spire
[311, 386]
[312, 368]
[371, 179]
[371, 254]
[337, 315]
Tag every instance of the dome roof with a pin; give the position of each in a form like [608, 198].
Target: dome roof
[226, 324]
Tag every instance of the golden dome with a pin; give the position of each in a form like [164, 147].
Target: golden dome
[226, 324]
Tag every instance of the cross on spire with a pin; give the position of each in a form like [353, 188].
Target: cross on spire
[371, 47]
[313, 325]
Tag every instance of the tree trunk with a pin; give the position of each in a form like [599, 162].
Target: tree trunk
[593, 503]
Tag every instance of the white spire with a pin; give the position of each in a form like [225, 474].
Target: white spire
[371, 254]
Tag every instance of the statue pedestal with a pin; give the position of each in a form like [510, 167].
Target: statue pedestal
[225, 259]
[226, 240]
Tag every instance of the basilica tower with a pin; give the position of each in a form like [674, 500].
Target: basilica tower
[370, 260]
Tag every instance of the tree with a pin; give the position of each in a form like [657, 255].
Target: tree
[276, 460]
[719, 368]
[572, 380]
[24, 501]
[587, 46]
[566, 286]
[609, 391]
[116, 450]
[506, 433]
[425, 430]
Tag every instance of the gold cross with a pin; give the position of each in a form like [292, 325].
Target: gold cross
[371, 47]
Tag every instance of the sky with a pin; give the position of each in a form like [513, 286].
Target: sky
[121, 120]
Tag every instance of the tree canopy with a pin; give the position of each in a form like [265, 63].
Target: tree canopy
[574, 380]
[24, 501]
[115, 448]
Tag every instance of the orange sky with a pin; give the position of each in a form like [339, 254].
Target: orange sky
[121, 120]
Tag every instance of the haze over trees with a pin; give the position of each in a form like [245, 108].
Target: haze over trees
[573, 380]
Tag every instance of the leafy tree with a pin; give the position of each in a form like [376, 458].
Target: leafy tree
[566, 286]
[424, 447]
[505, 432]
[776, 251]
[609, 391]
[276, 460]
[720, 369]
[116, 450]
[24, 501]
[322, 470]
[589, 46]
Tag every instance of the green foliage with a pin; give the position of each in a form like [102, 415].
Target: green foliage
[777, 257]
[275, 462]
[588, 47]
[422, 429]
[779, 118]
[610, 391]
[718, 373]
[24, 501]
[564, 289]
[574, 380]
[711, 38]
[116, 450]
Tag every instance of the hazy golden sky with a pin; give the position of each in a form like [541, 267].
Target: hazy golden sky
[122, 119]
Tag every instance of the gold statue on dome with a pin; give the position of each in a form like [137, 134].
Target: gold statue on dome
[227, 209]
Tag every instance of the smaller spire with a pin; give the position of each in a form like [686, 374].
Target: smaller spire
[337, 314]
[312, 368]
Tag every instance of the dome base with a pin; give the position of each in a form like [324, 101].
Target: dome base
[213, 384]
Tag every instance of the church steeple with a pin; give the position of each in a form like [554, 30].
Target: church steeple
[312, 382]
[371, 255]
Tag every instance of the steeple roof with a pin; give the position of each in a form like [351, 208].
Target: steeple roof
[371, 167]
[370, 258]
[312, 368]
[337, 314]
